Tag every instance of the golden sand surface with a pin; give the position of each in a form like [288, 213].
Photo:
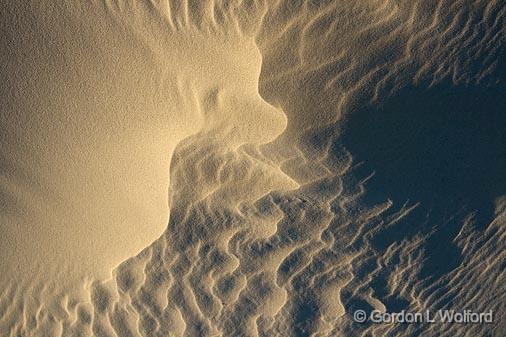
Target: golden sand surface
[250, 168]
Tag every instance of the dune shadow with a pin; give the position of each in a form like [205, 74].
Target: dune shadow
[305, 315]
[443, 147]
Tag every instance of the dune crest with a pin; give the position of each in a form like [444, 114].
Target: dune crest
[92, 122]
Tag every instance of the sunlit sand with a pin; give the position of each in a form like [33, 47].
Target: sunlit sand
[250, 168]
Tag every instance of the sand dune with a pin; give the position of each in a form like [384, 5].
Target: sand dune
[251, 168]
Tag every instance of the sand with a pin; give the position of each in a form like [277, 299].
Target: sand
[250, 168]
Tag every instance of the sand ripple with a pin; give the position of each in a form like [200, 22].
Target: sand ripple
[386, 190]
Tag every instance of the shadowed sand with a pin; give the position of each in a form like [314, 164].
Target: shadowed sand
[250, 168]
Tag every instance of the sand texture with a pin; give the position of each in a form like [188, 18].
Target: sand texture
[251, 168]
